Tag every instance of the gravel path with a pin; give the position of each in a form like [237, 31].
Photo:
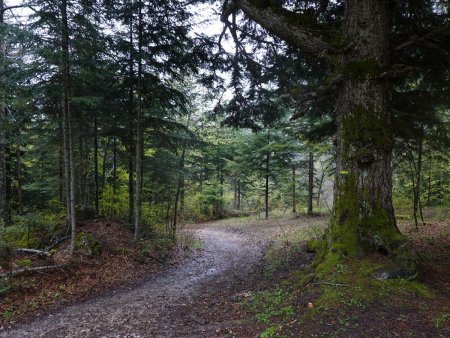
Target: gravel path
[166, 305]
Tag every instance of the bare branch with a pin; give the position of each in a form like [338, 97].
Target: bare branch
[34, 252]
[37, 269]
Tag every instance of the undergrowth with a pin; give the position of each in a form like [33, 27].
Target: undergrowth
[347, 288]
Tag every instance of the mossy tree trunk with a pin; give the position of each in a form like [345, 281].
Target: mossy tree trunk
[363, 216]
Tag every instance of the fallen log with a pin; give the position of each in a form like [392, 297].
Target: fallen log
[37, 269]
[41, 253]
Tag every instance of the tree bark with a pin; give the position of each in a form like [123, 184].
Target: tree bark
[96, 165]
[68, 135]
[139, 131]
[419, 179]
[429, 180]
[104, 166]
[310, 183]
[62, 181]
[19, 180]
[9, 174]
[132, 127]
[3, 206]
[319, 188]
[413, 170]
[363, 214]
[114, 165]
[266, 195]
[239, 195]
[180, 186]
[294, 200]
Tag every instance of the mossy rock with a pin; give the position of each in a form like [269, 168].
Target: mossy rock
[87, 243]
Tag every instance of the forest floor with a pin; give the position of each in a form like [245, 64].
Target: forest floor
[252, 278]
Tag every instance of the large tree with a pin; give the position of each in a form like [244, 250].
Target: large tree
[354, 39]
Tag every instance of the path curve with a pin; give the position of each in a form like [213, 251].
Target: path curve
[152, 308]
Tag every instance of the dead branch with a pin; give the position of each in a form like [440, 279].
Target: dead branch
[37, 269]
[36, 252]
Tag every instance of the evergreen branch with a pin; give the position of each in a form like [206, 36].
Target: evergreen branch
[418, 39]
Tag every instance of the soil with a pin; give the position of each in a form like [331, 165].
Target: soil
[169, 304]
[206, 295]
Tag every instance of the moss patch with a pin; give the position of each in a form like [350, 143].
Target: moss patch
[87, 243]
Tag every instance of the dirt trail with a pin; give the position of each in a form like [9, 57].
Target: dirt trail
[167, 305]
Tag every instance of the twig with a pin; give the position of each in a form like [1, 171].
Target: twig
[329, 283]
[155, 258]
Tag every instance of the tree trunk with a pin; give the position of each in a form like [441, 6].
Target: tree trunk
[3, 199]
[235, 194]
[96, 165]
[266, 195]
[2, 132]
[310, 183]
[182, 194]
[131, 129]
[429, 181]
[413, 170]
[104, 166]
[114, 165]
[62, 182]
[294, 201]
[139, 132]
[419, 178]
[239, 195]
[131, 183]
[82, 172]
[69, 162]
[8, 183]
[180, 187]
[363, 214]
[319, 188]
[19, 180]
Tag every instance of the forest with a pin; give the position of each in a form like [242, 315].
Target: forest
[270, 168]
